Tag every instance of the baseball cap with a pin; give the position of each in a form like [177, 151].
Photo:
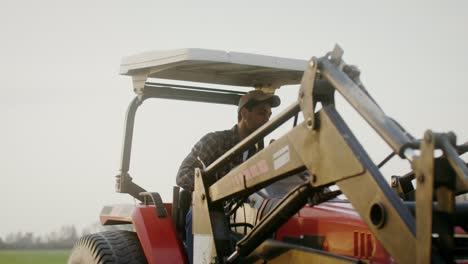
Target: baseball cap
[258, 96]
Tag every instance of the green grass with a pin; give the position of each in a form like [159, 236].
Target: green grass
[34, 256]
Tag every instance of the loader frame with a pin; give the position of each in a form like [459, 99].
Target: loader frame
[324, 145]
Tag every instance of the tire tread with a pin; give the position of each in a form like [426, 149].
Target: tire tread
[110, 247]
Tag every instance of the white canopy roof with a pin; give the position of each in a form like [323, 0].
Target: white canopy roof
[214, 66]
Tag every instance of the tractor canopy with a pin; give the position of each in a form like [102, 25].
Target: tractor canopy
[214, 67]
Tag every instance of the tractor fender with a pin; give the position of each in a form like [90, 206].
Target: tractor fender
[157, 234]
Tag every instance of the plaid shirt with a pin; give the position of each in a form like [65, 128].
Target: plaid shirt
[208, 149]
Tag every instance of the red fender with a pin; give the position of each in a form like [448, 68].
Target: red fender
[158, 236]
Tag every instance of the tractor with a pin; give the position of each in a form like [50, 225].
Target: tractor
[343, 210]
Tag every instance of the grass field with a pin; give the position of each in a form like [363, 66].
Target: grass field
[34, 256]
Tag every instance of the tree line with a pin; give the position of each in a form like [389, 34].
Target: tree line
[64, 238]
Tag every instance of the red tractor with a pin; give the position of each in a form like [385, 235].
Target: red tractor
[283, 204]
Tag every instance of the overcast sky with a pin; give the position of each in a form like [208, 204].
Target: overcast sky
[62, 102]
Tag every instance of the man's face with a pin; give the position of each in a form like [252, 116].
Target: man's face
[255, 118]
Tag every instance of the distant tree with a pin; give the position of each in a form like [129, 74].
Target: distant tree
[3, 245]
[38, 242]
[68, 236]
[20, 240]
[11, 238]
[27, 241]
[64, 238]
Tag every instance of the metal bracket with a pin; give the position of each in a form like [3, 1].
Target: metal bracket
[455, 161]
[204, 249]
[424, 170]
[157, 201]
[306, 99]
[125, 184]
[437, 178]
[139, 81]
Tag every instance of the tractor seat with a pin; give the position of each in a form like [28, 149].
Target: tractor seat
[181, 202]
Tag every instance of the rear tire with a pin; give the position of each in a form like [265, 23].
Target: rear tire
[110, 247]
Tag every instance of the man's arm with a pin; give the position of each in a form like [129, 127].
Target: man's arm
[203, 150]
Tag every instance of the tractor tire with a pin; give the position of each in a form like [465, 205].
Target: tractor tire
[110, 247]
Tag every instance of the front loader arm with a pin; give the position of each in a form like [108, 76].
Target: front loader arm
[325, 146]
[333, 156]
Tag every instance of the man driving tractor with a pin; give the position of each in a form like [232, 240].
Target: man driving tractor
[253, 111]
